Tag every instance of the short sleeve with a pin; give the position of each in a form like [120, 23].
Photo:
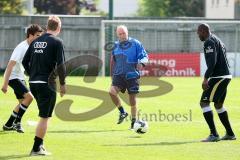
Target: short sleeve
[17, 54]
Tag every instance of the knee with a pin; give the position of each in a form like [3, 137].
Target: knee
[29, 97]
[218, 105]
[204, 104]
[112, 92]
[43, 122]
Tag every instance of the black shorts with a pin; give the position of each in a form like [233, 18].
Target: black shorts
[19, 87]
[132, 85]
[45, 97]
[217, 90]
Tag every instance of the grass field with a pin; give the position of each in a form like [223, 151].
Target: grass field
[102, 138]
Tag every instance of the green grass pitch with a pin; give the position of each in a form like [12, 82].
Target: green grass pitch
[103, 139]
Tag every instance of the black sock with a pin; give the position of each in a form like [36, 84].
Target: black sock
[22, 109]
[209, 119]
[37, 142]
[133, 121]
[11, 119]
[121, 109]
[225, 121]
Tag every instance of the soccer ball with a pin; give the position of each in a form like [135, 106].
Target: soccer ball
[140, 127]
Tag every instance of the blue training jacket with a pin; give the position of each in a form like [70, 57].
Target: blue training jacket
[127, 55]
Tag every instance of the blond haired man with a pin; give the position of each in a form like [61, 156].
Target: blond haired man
[41, 59]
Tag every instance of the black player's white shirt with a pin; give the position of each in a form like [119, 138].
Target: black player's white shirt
[42, 57]
[216, 60]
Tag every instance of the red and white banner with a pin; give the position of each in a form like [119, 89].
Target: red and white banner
[173, 64]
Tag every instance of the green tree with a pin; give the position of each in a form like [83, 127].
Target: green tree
[11, 7]
[171, 8]
[153, 8]
[73, 7]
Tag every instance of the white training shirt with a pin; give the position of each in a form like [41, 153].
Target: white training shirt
[17, 55]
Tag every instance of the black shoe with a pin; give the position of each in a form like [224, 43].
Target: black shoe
[18, 127]
[122, 116]
[227, 137]
[6, 128]
[211, 138]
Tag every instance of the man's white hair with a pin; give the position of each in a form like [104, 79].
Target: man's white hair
[122, 27]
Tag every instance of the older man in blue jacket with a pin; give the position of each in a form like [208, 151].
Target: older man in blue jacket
[128, 58]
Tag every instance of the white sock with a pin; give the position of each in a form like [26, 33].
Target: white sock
[221, 110]
[206, 109]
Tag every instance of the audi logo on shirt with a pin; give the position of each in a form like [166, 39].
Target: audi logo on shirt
[40, 44]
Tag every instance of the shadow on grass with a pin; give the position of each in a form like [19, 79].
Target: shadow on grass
[90, 131]
[7, 132]
[154, 144]
[14, 157]
[134, 137]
